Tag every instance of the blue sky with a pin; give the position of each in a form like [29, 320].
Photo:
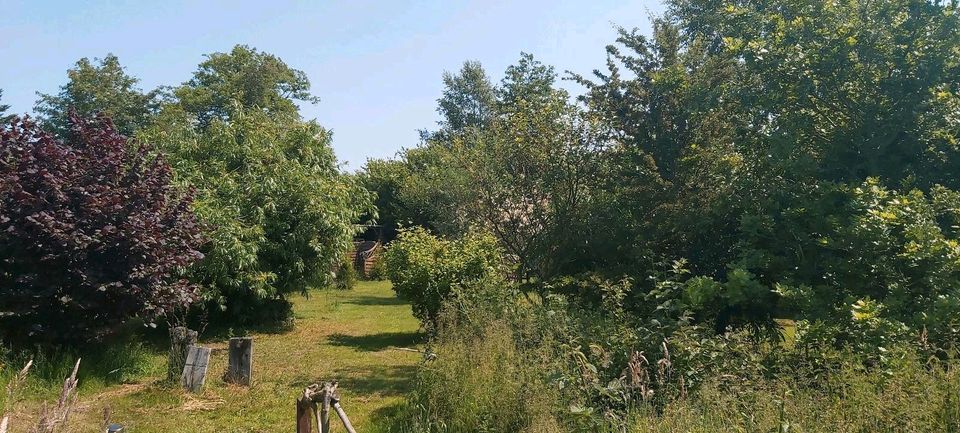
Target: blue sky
[376, 65]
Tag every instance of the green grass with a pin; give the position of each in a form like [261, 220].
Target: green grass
[349, 336]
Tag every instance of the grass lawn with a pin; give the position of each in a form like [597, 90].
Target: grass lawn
[349, 336]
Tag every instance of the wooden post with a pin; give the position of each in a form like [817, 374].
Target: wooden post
[305, 408]
[195, 368]
[240, 367]
[327, 396]
[328, 390]
[180, 339]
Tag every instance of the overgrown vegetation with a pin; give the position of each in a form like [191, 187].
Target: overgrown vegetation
[758, 202]
[748, 221]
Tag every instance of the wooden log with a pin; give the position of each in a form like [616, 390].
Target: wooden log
[240, 366]
[305, 408]
[180, 339]
[195, 368]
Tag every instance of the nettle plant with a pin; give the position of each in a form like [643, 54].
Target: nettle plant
[93, 233]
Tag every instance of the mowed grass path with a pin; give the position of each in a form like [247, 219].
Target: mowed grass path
[350, 336]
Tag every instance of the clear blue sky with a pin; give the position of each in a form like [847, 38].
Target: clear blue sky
[376, 65]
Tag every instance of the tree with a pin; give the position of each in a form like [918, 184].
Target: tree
[4, 117]
[520, 171]
[94, 234]
[468, 99]
[761, 140]
[841, 93]
[669, 173]
[100, 87]
[281, 213]
[385, 178]
[246, 78]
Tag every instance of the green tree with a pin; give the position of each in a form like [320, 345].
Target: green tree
[468, 99]
[244, 77]
[669, 170]
[522, 173]
[4, 117]
[267, 183]
[385, 178]
[99, 87]
[281, 214]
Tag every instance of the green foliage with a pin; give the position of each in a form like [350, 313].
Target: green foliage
[429, 271]
[468, 99]
[244, 76]
[100, 87]
[480, 382]
[268, 185]
[515, 159]
[345, 277]
[4, 117]
[385, 178]
[281, 213]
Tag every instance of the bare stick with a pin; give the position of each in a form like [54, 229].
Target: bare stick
[343, 417]
[328, 390]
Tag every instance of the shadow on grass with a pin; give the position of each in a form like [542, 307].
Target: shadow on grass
[376, 300]
[396, 417]
[224, 331]
[383, 380]
[377, 342]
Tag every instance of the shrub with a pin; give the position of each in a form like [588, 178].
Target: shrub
[345, 277]
[428, 271]
[92, 234]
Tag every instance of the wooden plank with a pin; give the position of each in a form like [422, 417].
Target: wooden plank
[240, 366]
[195, 368]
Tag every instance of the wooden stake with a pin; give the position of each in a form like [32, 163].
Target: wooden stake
[328, 390]
[304, 409]
[240, 367]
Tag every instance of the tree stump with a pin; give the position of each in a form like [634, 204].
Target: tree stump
[240, 367]
[180, 340]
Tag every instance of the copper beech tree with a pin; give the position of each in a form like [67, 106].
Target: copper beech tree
[93, 233]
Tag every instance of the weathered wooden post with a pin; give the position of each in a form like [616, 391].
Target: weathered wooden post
[305, 409]
[327, 393]
[327, 396]
[181, 338]
[195, 368]
[240, 367]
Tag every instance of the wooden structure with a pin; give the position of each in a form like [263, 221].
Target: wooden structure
[195, 368]
[364, 256]
[240, 366]
[180, 340]
[314, 407]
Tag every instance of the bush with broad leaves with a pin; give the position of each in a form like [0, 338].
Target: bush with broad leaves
[93, 233]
